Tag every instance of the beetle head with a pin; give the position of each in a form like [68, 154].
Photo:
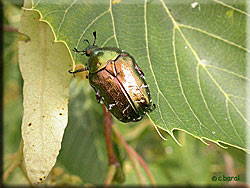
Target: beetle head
[87, 51]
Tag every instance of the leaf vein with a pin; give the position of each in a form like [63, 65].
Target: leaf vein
[214, 36]
[90, 24]
[206, 105]
[65, 13]
[113, 23]
[200, 62]
[180, 82]
[238, 97]
[239, 112]
[231, 122]
[229, 6]
[106, 41]
[227, 71]
[45, 15]
[37, 3]
[151, 68]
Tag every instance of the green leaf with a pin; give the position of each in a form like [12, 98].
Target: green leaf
[193, 55]
[83, 148]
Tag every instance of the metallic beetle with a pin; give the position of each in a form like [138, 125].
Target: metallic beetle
[117, 81]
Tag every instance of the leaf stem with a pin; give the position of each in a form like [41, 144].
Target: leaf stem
[108, 136]
[132, 153]
[16, 162]
[110, 175]
[8, 28]
[113, 162]
[144, 165]
[135, 164]
[11, 29]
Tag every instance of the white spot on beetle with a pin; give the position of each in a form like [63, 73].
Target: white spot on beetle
[144, 86]
[142, 76]
[125, 109]
[140, 101]
[111, 106]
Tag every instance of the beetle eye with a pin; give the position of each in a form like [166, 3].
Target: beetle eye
[88, 52]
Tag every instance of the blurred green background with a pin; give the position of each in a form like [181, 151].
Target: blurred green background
[83, 158]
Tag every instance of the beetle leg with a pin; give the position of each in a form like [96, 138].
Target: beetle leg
[152, 108]
[79, 51]
[94, 34]
[79, 70]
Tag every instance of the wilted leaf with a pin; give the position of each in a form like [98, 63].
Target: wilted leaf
[44, 65]
[192, 53]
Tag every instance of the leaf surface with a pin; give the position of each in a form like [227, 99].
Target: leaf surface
[83, 148]
[193, 55]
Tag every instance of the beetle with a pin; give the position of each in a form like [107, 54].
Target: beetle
[118, 82]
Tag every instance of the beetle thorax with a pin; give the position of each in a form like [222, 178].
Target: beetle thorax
[99, 58]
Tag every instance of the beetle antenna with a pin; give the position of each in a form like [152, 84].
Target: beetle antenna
[94, 33]
[87, 41]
